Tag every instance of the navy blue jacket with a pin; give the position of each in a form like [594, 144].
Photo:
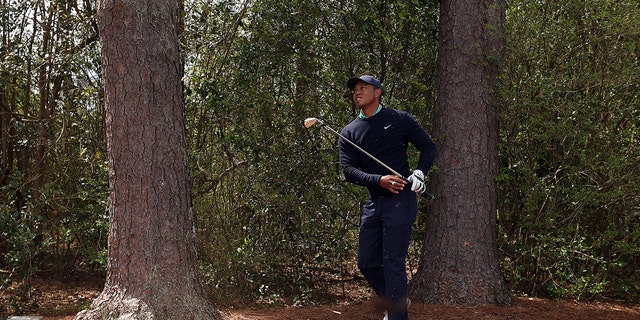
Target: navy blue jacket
[386, 136]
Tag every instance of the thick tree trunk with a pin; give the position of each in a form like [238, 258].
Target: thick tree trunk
[460, 263]
[152, 269]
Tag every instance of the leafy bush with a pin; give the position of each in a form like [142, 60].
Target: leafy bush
[569, 206]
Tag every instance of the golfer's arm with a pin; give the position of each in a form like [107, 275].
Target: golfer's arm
[359, 177]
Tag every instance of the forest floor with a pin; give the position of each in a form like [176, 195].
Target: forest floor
[60, 299]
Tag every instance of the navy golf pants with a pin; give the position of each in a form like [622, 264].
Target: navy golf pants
[385, 233]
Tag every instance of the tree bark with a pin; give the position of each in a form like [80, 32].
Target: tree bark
[152, 268]
[460, 262]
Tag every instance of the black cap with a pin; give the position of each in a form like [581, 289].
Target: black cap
[351, 83]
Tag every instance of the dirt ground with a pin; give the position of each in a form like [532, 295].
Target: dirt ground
[60, 299]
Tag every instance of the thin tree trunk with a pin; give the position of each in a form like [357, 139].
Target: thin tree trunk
[40, 164]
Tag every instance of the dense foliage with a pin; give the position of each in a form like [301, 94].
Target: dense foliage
[53, 182]
[570, 207]
[276, 222]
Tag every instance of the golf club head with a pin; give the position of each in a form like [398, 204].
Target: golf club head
[308, 122]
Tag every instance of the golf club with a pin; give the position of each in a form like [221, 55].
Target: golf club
[311, 121]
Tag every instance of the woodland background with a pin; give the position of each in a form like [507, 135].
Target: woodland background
[276, 223]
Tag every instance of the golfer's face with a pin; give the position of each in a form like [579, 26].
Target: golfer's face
[364, 94]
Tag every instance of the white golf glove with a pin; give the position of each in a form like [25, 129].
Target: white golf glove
[417, 180]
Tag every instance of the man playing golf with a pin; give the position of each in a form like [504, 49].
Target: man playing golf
[391, 208]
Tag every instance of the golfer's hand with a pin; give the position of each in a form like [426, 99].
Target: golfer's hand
[392, 183]
[417, 182]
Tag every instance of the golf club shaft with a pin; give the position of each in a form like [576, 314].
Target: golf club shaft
[424, 194]
[366, 153]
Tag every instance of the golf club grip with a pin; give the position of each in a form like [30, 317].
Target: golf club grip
[425, 194]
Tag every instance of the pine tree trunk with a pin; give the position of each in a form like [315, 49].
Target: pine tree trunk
[152, 269]
[459, 262]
